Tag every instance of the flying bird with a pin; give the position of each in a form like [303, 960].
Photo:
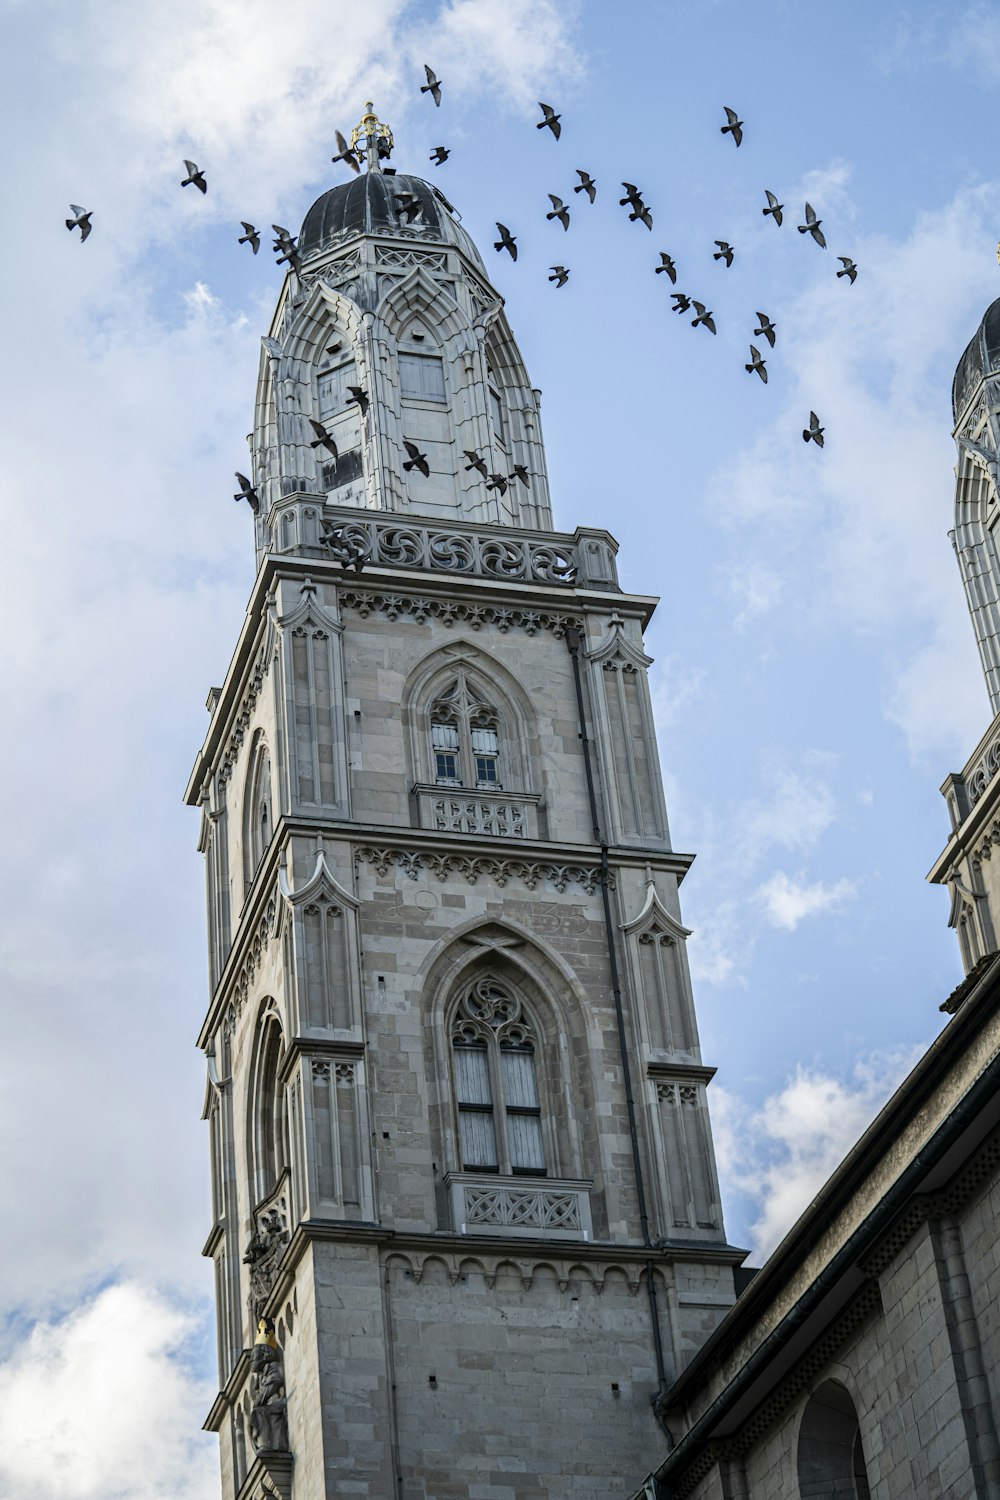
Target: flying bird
[551, 120]
[766, 328]
[735, 126]
[507, 241]
[416, 460]
[559, 211]
[359, 398]
[850, 269]
[633, 198]
[195, 175]
[81, 221]
[247, 492]
[439, 155]
[667, 265]
[773, 206]
[345, 154]
[323, 438]
[432, 86]
[757, 364]
[811, 226]
[285, 242]
[814, 432]
[475, 462]
[681, 302]
[251, 238]
[521, 473]
[561, 275]
[725, 252]
[586, 185]
[703, 317]
[408, 205]
[497, 482]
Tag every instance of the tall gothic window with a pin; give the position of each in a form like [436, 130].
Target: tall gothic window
[269, 1112]
[465, 738]
[258, 822]
[496, 406]
[340, 418]
[494, 1046]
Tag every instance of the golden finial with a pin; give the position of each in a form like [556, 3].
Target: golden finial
[265, 1334]
[998, 252]
[372, 138]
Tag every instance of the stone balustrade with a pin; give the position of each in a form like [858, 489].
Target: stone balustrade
[482, 1203]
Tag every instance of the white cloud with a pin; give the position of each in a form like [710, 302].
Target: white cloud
[102, 1405]
[788, 900]
[796, 810]
[778, 1154]
[515, 47]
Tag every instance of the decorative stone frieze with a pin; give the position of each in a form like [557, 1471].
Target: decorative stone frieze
[391, 545]
[450, 612]
[412, 863]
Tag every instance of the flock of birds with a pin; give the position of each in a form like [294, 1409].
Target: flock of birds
[408, 207]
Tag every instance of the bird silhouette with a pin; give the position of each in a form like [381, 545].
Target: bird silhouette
[850, 269]
[475, 462]
[766, 329]
[432, 86]
[703, 317]
[561, 275]
[323, 438]
[681, 302]
[725, 252]
[408, 205]
[497, 482]
[667, 265]
[417, 460]
[507, 241]
[345, 154]
[774, 207]
[251, 238]
[358, 398]
[81, 221]
[586, 185]
[811, 226]
[551, 120]
[439, 155]
[285, 243]
[735, 126]
[633, 198]
[559, 211]
[814, 432]
[757, 364]
[247, 492]
[196, 176]
[521, 473]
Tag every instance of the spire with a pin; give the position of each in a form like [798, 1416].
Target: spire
[376, 137]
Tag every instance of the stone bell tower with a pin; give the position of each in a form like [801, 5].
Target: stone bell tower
[972, 795]
[466, 1220]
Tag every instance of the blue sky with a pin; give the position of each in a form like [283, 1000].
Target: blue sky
[816, 675]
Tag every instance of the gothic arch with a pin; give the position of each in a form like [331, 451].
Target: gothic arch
[258, 809]
[498, 690]
[268, 1143]
[563, 1031]
[830, 1458]
[419, 295]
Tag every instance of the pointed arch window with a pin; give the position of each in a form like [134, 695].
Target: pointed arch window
[496, 406]
[258, 821]
[269, 1111]
[494, 1051]
[465, 738]
[341, 420]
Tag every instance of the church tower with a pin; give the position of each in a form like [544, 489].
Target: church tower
[466, 1220]
[972, 795]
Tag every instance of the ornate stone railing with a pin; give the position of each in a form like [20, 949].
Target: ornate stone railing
[388, 544]
[363, 539]
[539, 1208]
[498, 815]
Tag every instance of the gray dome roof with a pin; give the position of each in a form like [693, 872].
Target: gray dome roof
[366, 205]
[982, 356]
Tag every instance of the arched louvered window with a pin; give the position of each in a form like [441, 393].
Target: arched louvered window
[258, 818]
[269, 1111]
[494, 1050]
[465, 738]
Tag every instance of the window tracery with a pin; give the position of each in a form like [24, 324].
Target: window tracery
[494, 1053]
[465, 738]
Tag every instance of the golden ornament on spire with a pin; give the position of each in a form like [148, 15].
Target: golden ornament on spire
[372, 138]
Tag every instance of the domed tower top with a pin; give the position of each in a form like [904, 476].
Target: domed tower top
[981, 358]
[390, 379]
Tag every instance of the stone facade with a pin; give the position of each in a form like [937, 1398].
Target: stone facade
[463, 1175]
[863, 1358]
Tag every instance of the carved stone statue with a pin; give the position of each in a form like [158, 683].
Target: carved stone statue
[269, 1409]
[264, 1253]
